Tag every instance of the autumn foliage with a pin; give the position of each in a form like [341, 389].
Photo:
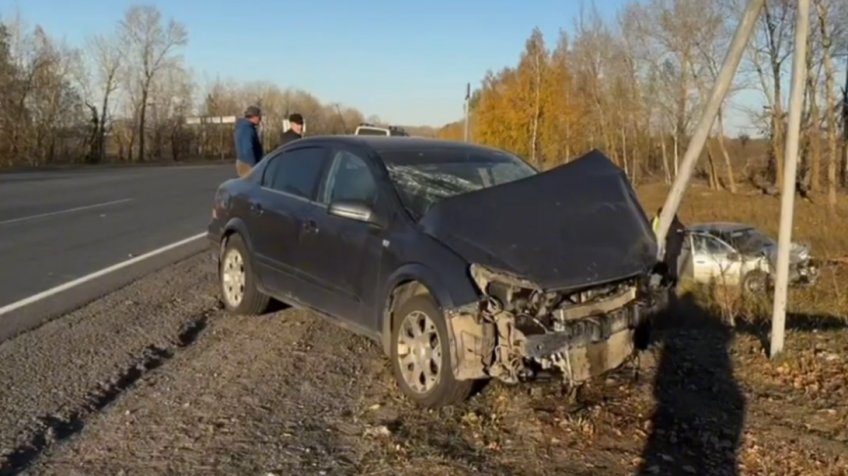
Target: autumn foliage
[558, 103]
[634, 86]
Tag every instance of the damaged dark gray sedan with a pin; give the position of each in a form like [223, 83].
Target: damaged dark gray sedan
[463, 262]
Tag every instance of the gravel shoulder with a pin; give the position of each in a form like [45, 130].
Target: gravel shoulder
[155, 379]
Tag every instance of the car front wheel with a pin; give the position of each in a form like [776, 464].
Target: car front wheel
[421, 356]
[238, 282]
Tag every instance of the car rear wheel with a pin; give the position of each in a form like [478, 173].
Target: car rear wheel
[755, 282]
[421, 356]
[238, 284]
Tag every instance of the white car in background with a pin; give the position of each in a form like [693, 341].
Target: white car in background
[366, 129]
[736, 254]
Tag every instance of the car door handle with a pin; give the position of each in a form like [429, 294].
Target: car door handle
[310, 226]
[256, 208]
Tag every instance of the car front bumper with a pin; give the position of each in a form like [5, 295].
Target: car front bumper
[590, 346]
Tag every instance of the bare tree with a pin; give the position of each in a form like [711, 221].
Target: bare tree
[822, 8]
[770, 48]
[533, 66]
[149, 46]
[107, 60]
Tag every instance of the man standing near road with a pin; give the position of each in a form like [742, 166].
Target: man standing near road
[673, 244]
[248, 147]
[296, 130]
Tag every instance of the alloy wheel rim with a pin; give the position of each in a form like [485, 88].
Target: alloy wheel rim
[233, 277]
[419, 351]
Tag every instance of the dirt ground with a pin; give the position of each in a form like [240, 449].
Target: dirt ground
[156, 379]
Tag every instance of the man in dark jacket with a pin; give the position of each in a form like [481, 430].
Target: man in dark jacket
[248, 146]
[673, 244]
[296, 130]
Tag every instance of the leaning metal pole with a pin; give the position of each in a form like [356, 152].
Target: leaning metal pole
[787, 197]
[702, 130]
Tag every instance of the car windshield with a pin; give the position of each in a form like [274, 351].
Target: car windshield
[749, 240]
[423, 177]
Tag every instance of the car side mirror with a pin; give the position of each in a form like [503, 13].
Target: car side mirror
[354, 210]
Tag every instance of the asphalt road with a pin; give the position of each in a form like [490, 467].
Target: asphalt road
[56, 226]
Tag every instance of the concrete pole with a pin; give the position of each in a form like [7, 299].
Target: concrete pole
[708, 116]
[787, 198]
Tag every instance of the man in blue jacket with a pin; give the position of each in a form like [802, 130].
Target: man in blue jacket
[248, 147]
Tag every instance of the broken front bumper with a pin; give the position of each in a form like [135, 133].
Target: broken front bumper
[591, 345]
[804, 274]
[590, 339]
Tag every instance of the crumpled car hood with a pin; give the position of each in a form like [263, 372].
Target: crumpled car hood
[574, 226]
[798, 253]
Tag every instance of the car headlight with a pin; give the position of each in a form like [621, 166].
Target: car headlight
[484, 275]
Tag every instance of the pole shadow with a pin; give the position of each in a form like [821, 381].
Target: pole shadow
[697, 423]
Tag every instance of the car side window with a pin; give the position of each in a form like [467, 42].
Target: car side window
[713, 246]
[295, 172]
[700, 242]
[350, 179]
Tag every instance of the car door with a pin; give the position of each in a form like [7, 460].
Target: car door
[343, 256]
[713, 260]
[288, 187]
[685, 262]
[703, 262]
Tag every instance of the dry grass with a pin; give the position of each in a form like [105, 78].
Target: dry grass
[827, 233]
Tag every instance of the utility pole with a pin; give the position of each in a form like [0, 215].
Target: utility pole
[787, 198]
[708, 116]
[467, 99]
[728, 70]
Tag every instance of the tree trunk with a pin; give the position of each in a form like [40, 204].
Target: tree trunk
[536, 112]
[676, 154]
[93, 143]
[845, 129]
[712, 172]
[777, 108]
[665, 161]
[101, 133]
[141, 118]
[814, 141]
[830, 93]
[731, 180]
[624, 154]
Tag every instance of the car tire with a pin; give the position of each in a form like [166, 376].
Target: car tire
[415, 375]
[238, 281]
[755, 282]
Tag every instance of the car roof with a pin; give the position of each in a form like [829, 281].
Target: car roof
[719, 227]
[388, 143]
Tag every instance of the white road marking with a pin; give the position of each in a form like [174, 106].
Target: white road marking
[89, 277]
[69, 210]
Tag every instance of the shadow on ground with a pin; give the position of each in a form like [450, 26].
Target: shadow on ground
[699, 414]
